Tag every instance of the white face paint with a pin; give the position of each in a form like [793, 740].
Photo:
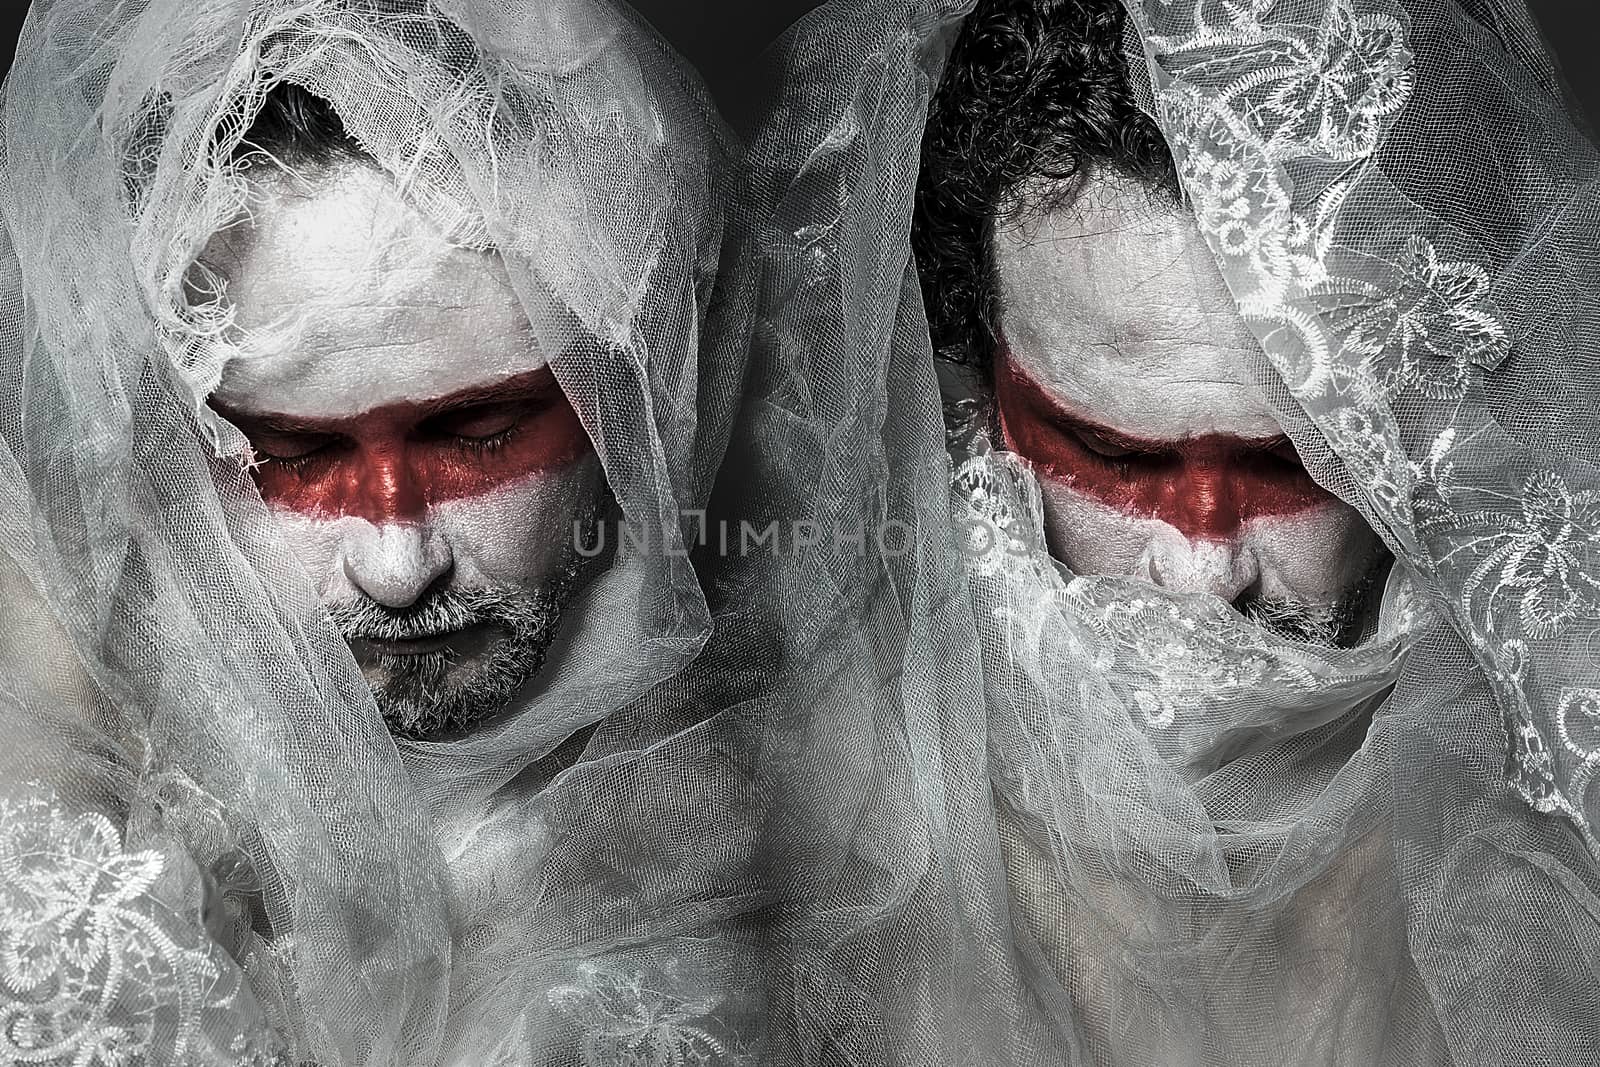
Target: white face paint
[351, 299]
[413, 442]
[1126, 376]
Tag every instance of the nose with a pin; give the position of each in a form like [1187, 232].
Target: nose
[387, 489]
[1222, 568]
[395, 563]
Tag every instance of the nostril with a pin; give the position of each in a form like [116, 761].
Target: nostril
[1249, 593]
[440, 582]
[1244, 578]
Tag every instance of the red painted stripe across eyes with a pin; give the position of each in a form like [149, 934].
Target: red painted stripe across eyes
[391, 462]
[1207, 487]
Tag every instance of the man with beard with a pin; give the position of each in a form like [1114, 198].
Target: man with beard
[1067, 282]
[408, 432]
[368, 313]
[1179, 694]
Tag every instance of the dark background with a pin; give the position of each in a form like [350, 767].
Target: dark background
[723, 39]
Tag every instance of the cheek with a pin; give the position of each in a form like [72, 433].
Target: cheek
[518, 532]
[1092, 538]
[319, 544]
[1315, 555]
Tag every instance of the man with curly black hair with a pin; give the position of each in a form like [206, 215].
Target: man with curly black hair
[1066, 281]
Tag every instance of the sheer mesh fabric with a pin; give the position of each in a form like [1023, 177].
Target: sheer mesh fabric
[273, 871]
[1218, 846]
[903, 790]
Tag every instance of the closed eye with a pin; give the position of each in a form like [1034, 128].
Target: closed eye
[1282, 449]
[289, 449]
[480, 422]
[1107, 449]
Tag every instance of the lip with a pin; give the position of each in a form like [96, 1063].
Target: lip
[460, 642]
[416, 646]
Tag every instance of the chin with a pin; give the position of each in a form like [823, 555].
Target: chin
[444, 696]
[447, 672]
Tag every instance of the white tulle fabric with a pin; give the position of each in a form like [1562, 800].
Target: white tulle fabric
[1289, 865]
[1217, 846]
[213, 851]
[919, 799]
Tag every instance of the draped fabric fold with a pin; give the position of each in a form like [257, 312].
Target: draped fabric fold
[831, 760]
[217, 812]
[1218, 844]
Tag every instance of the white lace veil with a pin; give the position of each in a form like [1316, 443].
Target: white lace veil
[197, 788]
[1219, 846]
[1420, 256]
[895, 789]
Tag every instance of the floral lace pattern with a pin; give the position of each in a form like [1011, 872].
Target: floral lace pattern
[626, 1023]
[1543, 558]
[1304, 89]
[94, 968]
[1277, 114]
[1427, 329]
[1189, 669]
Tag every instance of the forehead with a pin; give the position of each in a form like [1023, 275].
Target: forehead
[348, 298]
[1114, 303]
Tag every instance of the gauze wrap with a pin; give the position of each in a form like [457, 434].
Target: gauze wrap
[897, 788]
[1186, 840]
[203, 810]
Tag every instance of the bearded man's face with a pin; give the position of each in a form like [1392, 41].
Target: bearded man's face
[411, 439]
[1127, 376]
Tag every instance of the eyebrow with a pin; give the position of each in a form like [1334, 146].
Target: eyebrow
[526, 386]
[1038, 397]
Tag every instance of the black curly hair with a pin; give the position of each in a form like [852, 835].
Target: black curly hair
[1035, 97]
[296, 128]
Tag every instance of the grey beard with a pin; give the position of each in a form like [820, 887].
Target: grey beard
[1341, 624]
[433, 696]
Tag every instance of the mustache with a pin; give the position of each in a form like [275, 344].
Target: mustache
[1316, 624]
[1340, 624]
[441, 612]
